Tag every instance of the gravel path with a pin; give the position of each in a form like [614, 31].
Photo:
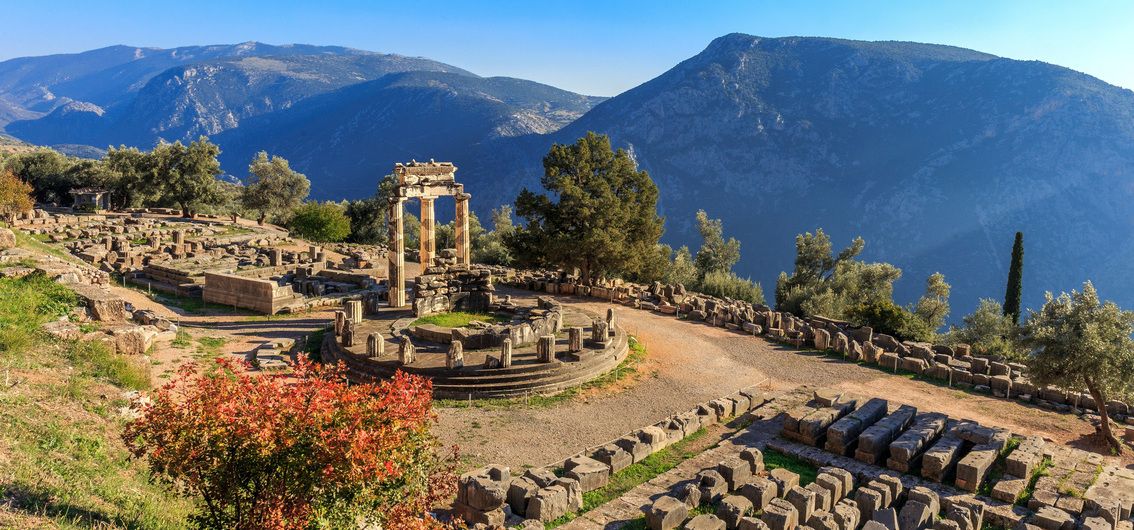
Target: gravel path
[689, 363]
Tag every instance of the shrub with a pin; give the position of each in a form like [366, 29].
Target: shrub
[320, 222]
[308, 450]
[892, 319]
[990, 332]
[729, 285]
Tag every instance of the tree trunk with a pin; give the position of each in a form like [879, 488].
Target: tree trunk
[1100, 404]
[260, 220]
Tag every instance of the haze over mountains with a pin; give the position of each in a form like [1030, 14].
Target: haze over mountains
[936, 155]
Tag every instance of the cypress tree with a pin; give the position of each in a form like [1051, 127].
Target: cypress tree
[1015, 280]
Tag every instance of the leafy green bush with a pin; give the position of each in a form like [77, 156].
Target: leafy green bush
[729, 285]
[320, 222]
[887, 317]
[990, 332]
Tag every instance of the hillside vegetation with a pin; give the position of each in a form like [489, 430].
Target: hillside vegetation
[62, 462]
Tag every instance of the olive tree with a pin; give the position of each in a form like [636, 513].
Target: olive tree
[1079, 342]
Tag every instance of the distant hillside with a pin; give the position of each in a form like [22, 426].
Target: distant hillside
[184, 93]
[348, 139]
[936, 155]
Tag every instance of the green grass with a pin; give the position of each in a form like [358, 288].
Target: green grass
[182, 340]
[457, 319]
[209, 347]
[774, 459]
[635, 474]
[64, 465]
[1042, 470]
[629, 367]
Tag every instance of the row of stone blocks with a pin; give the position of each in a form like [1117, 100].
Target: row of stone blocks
[749, 498]
[490, 496]
[901, 439]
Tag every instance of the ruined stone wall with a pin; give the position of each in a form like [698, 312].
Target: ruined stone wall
[444, 288]
[264, 296]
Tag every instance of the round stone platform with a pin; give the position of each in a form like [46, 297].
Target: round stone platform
[527, 376]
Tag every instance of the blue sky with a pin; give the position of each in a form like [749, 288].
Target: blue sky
[593, 47]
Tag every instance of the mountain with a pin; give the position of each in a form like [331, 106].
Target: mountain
[935, 155]
[177, 94]
[348, 139]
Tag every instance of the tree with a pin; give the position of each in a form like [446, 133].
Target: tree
[933, 307]
[726, 284]
[263, 451]
[188, 174]
[989, 331]
[489, 247]
[715, 254]
[600, 216]
[320, 222]
[134, 183]
[1015, 280]
[15, 195]
[273, 188]
[814, 264]
[367, 221]
[1079, 342]
[46, 171]
[682, 270]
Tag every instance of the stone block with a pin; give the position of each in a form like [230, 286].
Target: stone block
[760, 492]
[887, 517]
[823, 498]
[752, 523]
[925, 496]
[590, 473]
[1049, 518]
[868, 500]
[689, 493]
[754, 457]
[614, 457]
[666, 513]
[735, 471]
[548, 504]
[915, 516]
[780, 515]
[832, 484]
[784, 479]
[732, 509]
[713, 486]
[519, 491]
[803, 500]
[705, 522]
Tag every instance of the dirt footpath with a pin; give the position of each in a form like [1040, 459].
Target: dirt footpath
[689, 363]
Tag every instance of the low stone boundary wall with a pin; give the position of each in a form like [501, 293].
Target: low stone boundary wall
[264, 296]
[954, 365]
[488, 495]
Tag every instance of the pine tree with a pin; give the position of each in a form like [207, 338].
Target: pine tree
[1015, 280]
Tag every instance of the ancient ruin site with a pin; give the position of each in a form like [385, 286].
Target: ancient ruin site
[597, 405]
[588, 265]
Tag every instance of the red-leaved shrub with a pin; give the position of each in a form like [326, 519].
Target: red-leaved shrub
[304, 450]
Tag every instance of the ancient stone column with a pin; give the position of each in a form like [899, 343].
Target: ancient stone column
[375, 345]
[428, 238]
[276, 257]
[397, 254]
[506, 353]
[556, 321]
[574, 339]
[340, 320]
[462, 229]
[610, 321]
[599, 334]
[545, 348]
[178, 237]
[312, 252]
[406, 351]
[455, 360]
[348, 333]
[354, 310]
